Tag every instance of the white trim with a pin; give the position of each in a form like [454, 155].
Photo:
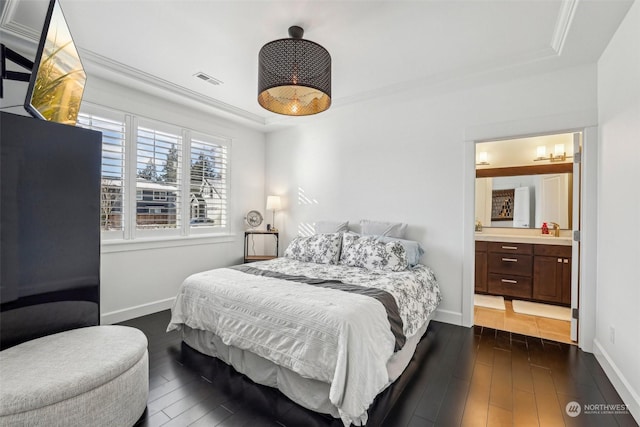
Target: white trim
[131, 170]
[563, 25]
[141, 244]
[588, 239]
[136, 311]
[447, 316]
[468, 233]
[629, 396]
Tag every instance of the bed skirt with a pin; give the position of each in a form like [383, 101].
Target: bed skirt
[207, 353]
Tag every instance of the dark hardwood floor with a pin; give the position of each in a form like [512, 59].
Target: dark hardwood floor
[471, 377]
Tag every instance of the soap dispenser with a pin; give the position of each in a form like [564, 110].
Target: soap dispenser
[545, 228]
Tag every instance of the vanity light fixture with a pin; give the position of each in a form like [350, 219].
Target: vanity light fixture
[483, 159]
[294, 76]
[558, 155]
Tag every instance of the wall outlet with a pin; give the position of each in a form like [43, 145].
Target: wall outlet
[612, 334]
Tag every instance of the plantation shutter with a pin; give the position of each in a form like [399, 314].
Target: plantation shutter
[158, 157]
[113, 156]
[208, 185]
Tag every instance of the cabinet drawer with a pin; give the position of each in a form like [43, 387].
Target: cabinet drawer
[513, 286]
[512, 248]
[553, 250]
[501, 263]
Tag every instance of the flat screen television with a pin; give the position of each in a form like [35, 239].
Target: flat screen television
[58, 78]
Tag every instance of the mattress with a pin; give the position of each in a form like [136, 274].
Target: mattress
[346, 329]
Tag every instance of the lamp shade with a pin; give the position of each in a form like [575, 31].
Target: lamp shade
[294, 76]
[273, 203]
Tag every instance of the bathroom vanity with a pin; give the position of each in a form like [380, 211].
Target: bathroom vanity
[532, 268]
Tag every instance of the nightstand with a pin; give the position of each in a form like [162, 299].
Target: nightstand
[253, 258]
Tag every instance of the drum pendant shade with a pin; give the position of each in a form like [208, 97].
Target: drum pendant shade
[294, 76]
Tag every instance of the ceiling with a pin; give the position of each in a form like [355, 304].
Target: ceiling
[377, 47]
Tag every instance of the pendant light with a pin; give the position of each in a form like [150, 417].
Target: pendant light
[294, 76]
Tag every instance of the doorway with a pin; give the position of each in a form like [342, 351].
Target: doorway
[527, 208]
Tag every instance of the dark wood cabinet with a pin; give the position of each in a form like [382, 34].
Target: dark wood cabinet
[552, 274]
[509, 267]
[481, 267]
[535, 272]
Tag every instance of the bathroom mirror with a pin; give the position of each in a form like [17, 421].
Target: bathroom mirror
[524, 201]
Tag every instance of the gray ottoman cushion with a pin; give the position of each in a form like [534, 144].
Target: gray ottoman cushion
[90, 376]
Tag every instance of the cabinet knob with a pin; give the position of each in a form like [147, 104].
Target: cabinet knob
[559, 259]
[566, 261]
[509, 281]
[510, 259]
[513, 248]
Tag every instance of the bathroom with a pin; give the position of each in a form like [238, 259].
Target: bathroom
[525, 254]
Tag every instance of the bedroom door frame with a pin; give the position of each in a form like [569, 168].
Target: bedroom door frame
[580, 122]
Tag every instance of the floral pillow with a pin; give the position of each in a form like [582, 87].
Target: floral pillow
[319, 248]
[367, 252]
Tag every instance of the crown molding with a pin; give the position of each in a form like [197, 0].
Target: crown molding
[118, 68]
[452, 79]
[11, 26]
[27, 38]
[563, 24]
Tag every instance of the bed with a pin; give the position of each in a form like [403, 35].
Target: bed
[331, 325]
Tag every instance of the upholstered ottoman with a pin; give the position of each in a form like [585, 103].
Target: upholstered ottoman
[94, 376]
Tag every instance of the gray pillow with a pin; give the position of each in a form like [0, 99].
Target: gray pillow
[322, 227]
[380, 228]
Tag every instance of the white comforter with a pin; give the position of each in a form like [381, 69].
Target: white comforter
[333, 336]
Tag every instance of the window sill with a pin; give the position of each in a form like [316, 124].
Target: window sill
[140, 244]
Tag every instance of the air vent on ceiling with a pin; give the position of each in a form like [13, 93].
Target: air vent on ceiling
[207, 78]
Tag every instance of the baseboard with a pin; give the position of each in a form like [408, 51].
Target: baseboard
[625, 390]
[446, 316]
[137, 311]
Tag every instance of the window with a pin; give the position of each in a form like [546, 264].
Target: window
[158, 179]
[112, 185]
[208, 182]
[160, 195]
[158, 176]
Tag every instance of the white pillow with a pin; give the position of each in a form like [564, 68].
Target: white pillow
[331, 227]
[380, 228]
[319, 248]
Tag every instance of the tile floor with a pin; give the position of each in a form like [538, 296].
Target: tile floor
[534, 326]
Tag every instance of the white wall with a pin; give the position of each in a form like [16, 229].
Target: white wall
[402, 158]
[138, 279]
[618, 277]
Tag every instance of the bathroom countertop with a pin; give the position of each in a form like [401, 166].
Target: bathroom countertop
[514, 238]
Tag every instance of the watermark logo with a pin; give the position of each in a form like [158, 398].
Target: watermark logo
[573, 409]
